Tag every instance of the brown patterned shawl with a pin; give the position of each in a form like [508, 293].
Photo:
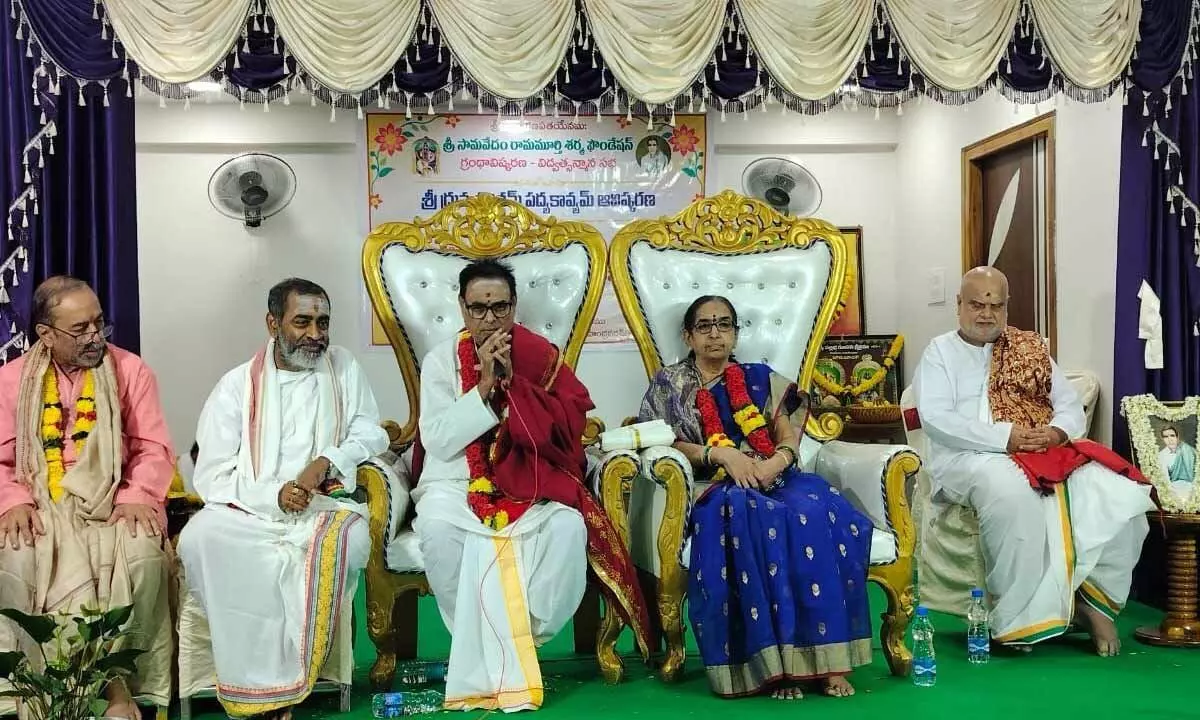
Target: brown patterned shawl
[1020, 378]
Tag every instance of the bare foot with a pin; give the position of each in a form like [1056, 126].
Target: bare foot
[1103, 631]
[787, 692]
[838, 686]
[120, 702]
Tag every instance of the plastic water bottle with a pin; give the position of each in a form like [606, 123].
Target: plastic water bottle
[924, 662]
[420, 672]
[403, 704]
[978, 634]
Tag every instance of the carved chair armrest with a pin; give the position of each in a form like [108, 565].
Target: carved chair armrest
[877, 479]
[397, 443]
[387, 489]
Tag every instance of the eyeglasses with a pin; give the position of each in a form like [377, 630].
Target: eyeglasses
[499, 310]
[82, 338]
[705, 327]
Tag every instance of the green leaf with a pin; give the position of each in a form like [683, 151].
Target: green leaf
[122, 660]
[384, 172]
[98, 706]
[690, 172]
[40, 628]
[408, 133]
[116, 618]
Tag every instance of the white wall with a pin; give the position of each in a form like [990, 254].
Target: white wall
[204, 277]
[1087, 167]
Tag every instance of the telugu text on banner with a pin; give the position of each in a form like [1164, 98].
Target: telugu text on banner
[604, 171]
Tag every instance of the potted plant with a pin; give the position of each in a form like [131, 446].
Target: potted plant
[76, 665]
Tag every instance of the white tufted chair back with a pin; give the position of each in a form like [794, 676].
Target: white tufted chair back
[785, 276]
[411, 271]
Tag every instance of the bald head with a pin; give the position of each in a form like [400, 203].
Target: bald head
[982, 305]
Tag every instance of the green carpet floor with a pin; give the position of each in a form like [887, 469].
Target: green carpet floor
[1061, 677]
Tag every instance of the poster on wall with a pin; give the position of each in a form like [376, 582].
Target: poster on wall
[852, 321]
[605, 171]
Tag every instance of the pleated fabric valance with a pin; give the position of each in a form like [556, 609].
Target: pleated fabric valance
[567, 56]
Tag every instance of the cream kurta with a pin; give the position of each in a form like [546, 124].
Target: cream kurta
[1038, 550]
[249, 563]
[500, 593]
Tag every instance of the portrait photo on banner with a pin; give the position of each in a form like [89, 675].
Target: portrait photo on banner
[1164, 437]
[604, 171]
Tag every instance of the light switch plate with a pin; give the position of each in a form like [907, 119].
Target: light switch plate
[936, 283]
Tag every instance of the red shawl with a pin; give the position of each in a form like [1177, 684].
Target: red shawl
[538, 455]
[1019, 393]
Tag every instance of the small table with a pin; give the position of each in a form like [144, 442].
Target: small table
[1181, 625]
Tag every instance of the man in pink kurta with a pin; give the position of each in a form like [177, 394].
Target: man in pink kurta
[91, 528]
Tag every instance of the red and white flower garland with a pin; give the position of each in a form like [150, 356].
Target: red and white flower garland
[489, 504]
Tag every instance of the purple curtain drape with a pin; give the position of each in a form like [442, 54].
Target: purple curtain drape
[85, 223]
[1160, 147]
[1156, 237]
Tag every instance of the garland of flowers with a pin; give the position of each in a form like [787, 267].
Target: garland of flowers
[834, 388]
[1138, 410]
[748, 417]
[54, 427]
[489, 504]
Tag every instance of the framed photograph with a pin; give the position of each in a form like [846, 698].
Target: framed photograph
[849, 361]
[1008, 218]
[1164, 437]
[853, 320]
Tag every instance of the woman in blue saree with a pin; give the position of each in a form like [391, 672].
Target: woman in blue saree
[777, 586]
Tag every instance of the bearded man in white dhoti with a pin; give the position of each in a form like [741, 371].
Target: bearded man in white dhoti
[274, 556]
[1061, 518]
[506, 526]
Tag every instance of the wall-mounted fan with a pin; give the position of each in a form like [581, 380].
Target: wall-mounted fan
[784, 185]
[252, 187]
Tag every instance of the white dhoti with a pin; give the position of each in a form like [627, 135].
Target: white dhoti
[1039, 550]
[273, 584]
[281, 587]
[501, 594]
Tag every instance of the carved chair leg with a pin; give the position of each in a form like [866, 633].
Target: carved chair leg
[672, 590]
[611, 625]
[896, 581]
[382, 629]
[586, 623]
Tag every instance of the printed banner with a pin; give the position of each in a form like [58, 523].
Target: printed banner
[603, 171]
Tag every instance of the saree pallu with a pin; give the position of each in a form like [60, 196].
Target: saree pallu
[777, 586]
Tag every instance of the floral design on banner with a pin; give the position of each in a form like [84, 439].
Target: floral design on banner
[391, 141]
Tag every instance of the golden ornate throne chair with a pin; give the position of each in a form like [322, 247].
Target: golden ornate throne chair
[787, 278]
[411, 272]
[949, 556]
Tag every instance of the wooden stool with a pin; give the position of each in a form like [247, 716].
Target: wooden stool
[1181, 625]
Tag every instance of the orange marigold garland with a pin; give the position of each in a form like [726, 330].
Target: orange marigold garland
[748, 417]
[489, 504]
[54, 427]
